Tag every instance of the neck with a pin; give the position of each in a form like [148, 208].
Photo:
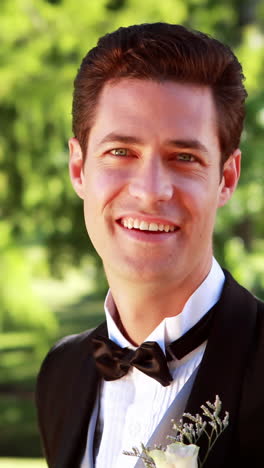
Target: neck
[142, 307]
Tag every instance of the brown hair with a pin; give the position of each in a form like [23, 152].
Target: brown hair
[160, 52]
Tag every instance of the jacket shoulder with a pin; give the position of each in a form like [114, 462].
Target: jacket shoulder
[65, 355]
[59, 384]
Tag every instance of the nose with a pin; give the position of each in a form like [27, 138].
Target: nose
[152, 182]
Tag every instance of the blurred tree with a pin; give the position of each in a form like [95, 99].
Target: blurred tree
[42, 44]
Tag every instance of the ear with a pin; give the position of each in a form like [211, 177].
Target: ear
[230, 177]
[76, 166]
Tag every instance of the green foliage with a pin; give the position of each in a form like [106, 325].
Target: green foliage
[19, 307]
[21, 357]
[42, 43]
[18, 421]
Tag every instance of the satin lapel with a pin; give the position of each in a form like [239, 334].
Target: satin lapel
[162, 432]
[74, 437]
[221, 370]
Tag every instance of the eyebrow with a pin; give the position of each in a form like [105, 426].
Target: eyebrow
[186, 143]
[121, 138]
[192, 143]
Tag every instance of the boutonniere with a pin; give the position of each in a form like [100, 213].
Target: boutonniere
[183, 451]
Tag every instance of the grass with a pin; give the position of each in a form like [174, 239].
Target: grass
[22, 463]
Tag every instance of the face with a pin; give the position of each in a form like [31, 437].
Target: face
[151, 181]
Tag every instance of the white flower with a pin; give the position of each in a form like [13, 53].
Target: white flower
[176, 455]
[179, 455]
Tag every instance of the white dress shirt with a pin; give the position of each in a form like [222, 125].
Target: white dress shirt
[132, 407]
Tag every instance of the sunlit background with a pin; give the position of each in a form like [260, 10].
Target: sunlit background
[51, 282]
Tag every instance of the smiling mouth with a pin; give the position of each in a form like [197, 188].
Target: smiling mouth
[140, 225]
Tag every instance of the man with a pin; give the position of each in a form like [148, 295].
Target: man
[157, 117]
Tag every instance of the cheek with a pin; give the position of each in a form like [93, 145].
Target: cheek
[193, 194]
[200, 200]
[101, 187]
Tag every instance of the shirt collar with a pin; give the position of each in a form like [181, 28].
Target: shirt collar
[172, 328]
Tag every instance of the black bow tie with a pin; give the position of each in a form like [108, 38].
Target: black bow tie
[113, 362]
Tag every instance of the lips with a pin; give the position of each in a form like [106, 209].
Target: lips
[144, 225]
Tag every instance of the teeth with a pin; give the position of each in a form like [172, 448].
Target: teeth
[143, 226]
[136, 224]
[153, 227]
[131, 223]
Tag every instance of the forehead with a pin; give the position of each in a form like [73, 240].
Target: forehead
[156, 109]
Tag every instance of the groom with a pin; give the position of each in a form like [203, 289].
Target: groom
[157, 116]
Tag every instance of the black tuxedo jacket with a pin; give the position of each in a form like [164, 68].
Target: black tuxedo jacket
[232, 367]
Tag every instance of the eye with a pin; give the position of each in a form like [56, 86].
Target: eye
[119, 152]
[186, 157]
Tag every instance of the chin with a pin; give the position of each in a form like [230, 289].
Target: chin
[142, 272]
